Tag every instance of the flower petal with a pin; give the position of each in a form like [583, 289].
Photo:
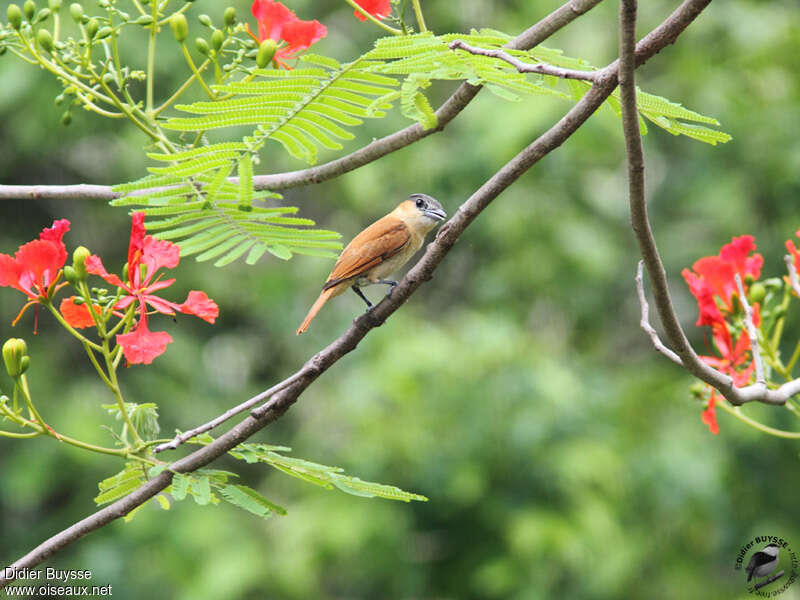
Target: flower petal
[10, 271]
[301, 34]
[77, 315]
[271, 17]
[377, 8]
[95, 266]
[40, 260]
[709, 415]
[141, 345]
[159, 253]
[200, 305]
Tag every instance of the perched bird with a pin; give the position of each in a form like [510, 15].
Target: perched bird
[379, 250]
[763, 562]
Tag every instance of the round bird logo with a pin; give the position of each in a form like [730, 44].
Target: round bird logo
[763, 562]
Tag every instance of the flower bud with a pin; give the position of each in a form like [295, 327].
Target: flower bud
[265, 52]
[54, 4]
[757, 293]
[29, 8]
[42, 15]
[45, 39]
[14, 351]
[216, 39]
[76, 12]
[2, 50]
[180, 28]
[104, 33]
[205, 20]
[79, 261]
[92, 27]
[14, 16]
[70, 275]
[66, 118]
[749, 279]
[144, 20]
[202, 46]
[229, 16]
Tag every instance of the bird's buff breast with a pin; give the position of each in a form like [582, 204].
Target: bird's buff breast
[390, 265]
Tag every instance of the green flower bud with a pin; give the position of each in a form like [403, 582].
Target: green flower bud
[180, 28]
[757, 293]
[205, 20]
[2, 50]
[76, 12]
[14, 16]
[265, 53]
[70, 275]
[698, 390]
[79, 257]
[66, 118]
[14, 350]
[143, 20]
[45, 39]
[216, 39]
[29, 8]
[92, 27]
[749, 279]
[202, 46]
[229, 16]
[24, 363]
[54, 4]
[42, 15]
[104, 33]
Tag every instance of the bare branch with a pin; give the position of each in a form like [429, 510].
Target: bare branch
[644, 322]
[792, 274]
[379, 148]
[751, 331]
[523, 67]
[422, 271]
[628, 62]
[258, 398]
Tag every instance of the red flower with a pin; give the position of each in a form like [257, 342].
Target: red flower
[709, 415]
[713, 278]
[146, 256]
[276, 22]
[794, 251]
[36, 265]
[77, 315]
[377, 8]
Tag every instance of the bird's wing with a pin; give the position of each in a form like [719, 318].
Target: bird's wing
[758, 559]
[378, 242]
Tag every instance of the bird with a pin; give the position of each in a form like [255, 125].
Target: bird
[379, 250]
[763, 562]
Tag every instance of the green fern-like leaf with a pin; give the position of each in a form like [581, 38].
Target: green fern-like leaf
[250, 500]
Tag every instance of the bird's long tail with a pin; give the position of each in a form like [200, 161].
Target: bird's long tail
[323, 298]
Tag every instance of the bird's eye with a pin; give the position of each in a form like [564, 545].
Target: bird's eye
[420, 203]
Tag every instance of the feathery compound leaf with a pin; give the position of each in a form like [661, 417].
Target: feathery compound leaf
[318, 474]
[250, 500]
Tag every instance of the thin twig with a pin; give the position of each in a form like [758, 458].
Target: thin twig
[187, 435]
[628, 62]
[379, 148]
[792, 274]
[523, 67]
[775, 577]
[750, 326]
[644, 322]
[664, 34]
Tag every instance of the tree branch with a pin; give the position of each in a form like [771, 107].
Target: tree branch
[750, 327]
[644, 321]
[628, 62]
[422, 271]
[379, 148]
[523, 67]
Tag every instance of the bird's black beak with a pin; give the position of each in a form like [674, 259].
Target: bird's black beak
[436, 213]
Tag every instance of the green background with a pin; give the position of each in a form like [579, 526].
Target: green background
[562, 456]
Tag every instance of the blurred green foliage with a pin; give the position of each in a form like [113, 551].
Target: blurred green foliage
[562, 457]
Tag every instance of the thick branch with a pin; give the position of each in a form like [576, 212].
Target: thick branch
[523, 67]
[422, 271]
[371, 152]
[644, 234]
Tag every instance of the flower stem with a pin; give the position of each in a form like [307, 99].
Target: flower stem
[181, 89]
[194, 69]
[736, 412]
[377, 22]
[112, 374]
[151, 57]
[418, 14]
[81, 338]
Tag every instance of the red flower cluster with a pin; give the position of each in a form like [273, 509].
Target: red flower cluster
[276, 22]
[36, 266]
[377, 8]
[146, 255]
[712, 284]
